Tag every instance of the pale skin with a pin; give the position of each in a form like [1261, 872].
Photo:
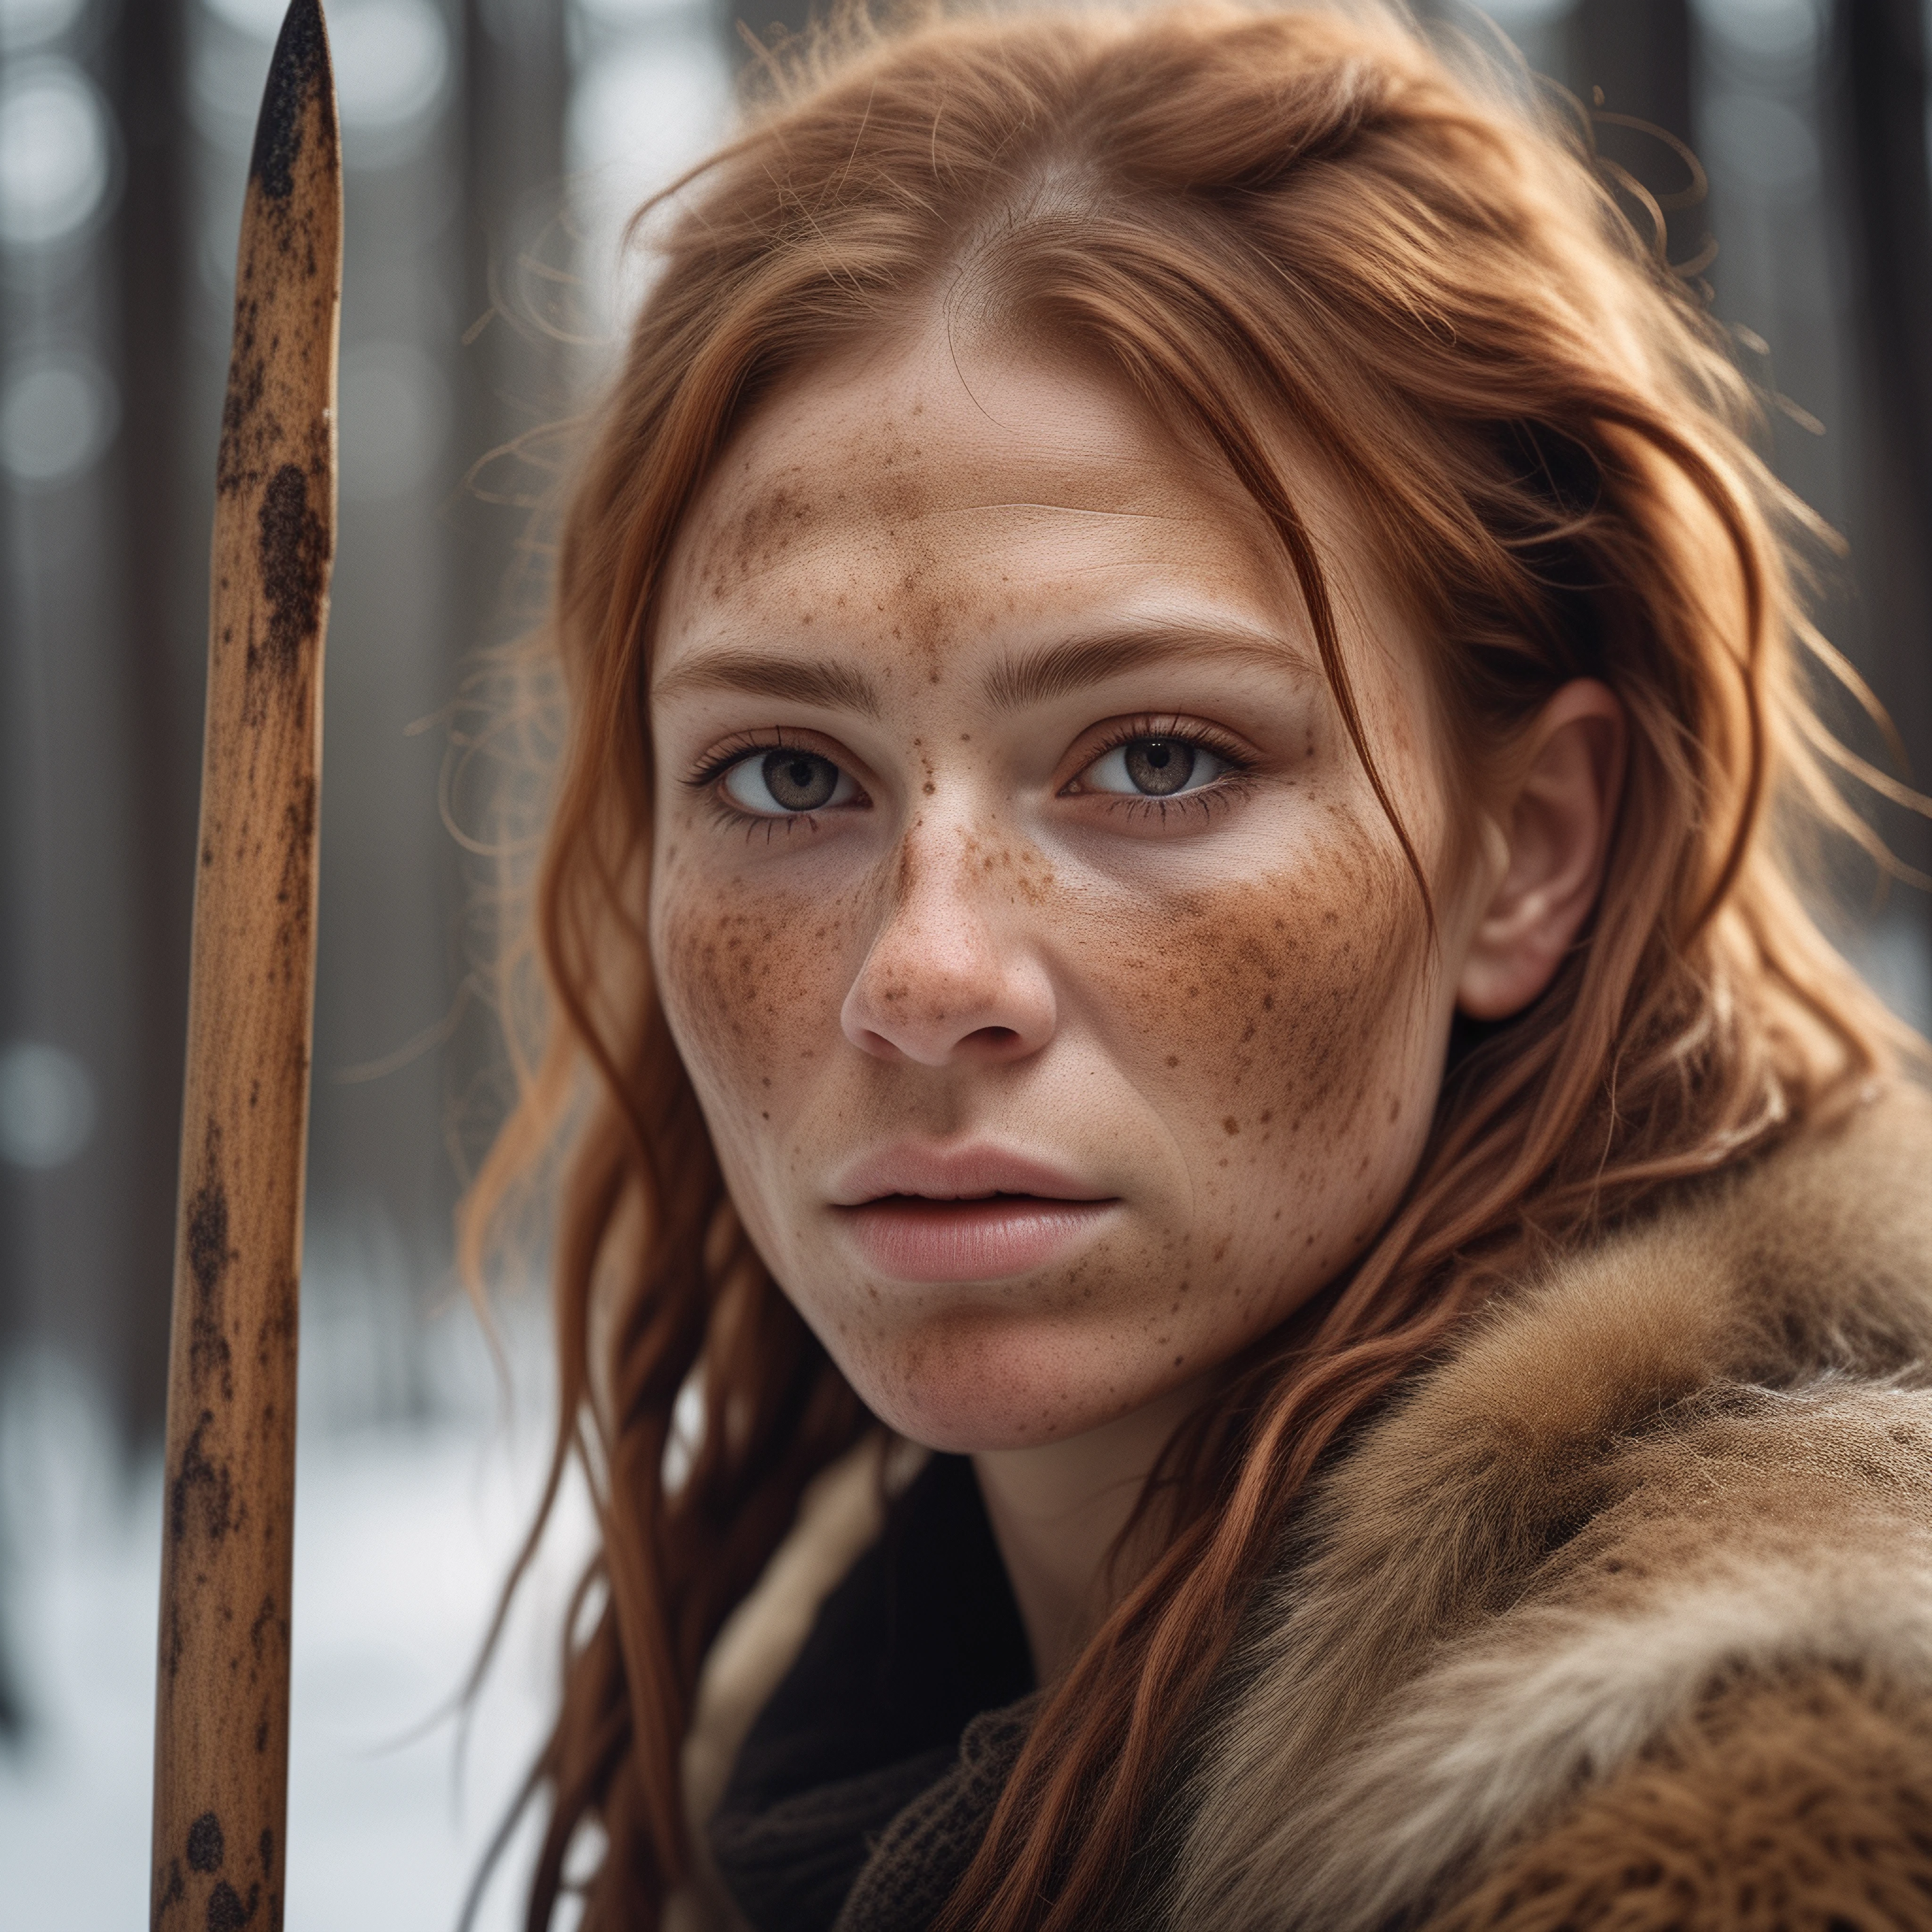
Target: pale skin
[1060, 1002]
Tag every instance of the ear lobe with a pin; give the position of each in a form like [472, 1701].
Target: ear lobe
[1556, 826]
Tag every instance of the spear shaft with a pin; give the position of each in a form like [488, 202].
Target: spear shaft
[222, 1696]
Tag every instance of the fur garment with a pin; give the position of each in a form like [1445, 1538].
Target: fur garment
[1619, 1620]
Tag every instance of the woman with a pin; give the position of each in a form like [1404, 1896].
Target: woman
[1165, 886]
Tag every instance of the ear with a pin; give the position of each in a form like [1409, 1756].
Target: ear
[1555, 823]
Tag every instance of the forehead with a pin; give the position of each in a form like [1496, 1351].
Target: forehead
[906, 499]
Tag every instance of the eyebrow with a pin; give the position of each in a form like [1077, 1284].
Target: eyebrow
[830, 687]
[1056, 669]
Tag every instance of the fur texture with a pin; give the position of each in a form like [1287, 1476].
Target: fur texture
[1801, 1802]
[1566, 1625]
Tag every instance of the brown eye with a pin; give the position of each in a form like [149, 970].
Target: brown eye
[1153, 768]
[787, 780]
[1159, 766]
[799, 781]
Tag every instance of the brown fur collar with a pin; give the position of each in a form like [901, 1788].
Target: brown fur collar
[1579, 1616]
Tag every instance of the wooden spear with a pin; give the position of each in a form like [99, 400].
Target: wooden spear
[221, 1716]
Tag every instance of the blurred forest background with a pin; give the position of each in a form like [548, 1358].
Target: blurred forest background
[493, 148]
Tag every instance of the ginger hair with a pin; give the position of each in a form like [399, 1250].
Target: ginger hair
[1251, 219]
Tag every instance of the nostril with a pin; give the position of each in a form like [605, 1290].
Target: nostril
[993, 1039]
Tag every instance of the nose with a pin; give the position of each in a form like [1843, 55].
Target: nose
[950, 976]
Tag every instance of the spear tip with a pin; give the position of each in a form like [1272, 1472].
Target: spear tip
[300, 70]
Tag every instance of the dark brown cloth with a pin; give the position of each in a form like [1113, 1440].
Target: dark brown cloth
[924, 1851]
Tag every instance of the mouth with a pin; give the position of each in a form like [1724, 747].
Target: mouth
[971, 1214]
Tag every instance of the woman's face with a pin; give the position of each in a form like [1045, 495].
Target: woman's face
[1059, 999]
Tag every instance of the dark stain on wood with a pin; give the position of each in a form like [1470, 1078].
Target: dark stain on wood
[298, 71]
[172, 1641]
[197, 1476]
[248, 378]
[268, 1623]
[205, 1849]
[207, 1250]
[294, 551]
[208, 1255]
[226, 1912]
[292, 888]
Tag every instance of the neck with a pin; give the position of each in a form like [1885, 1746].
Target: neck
[1058, 1510]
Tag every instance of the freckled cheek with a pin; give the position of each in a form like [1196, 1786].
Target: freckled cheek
[752, 985]
[1281, 1011]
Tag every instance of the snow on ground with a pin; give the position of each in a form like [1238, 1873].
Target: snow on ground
[404, 1531]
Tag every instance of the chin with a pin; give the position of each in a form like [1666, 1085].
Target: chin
[999, 1382]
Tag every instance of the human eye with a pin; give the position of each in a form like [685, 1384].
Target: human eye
[1153, 768]
[1148, 761]
[781, 781]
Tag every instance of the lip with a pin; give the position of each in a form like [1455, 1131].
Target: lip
[970, 1213]
[969, 1173]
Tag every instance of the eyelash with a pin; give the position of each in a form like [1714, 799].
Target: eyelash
[1202, 800]
[735, 751]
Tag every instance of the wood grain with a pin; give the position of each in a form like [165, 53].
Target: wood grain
[221, 1706]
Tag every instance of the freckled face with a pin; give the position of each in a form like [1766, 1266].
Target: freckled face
[1055, 990]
